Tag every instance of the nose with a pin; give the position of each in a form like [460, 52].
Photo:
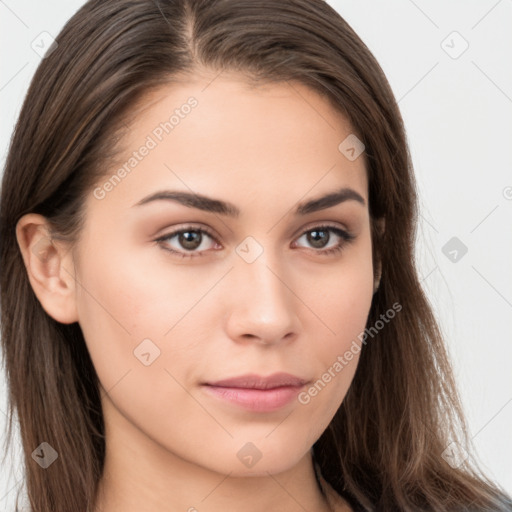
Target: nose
[262, 305]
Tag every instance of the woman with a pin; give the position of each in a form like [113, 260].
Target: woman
[209, 298]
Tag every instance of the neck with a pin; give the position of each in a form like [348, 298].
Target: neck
[140, 475]
[183, 488]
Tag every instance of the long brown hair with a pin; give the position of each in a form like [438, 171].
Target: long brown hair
[383, 449]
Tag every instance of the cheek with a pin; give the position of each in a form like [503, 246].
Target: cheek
[340, 296]
[128, 298]
[342, 299]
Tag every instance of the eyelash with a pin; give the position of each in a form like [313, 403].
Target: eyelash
[344, 235]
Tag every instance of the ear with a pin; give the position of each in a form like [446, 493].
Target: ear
[380, 225]
[50, 268]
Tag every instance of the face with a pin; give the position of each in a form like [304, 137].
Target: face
[256, 279]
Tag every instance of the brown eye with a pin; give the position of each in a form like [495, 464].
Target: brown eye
[190, 240]
[187, 242]
[319, 237]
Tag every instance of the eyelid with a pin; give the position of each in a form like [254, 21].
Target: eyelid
[308, 227]
[321, 224]
[188, 227]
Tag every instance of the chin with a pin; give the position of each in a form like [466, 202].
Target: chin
[258, 459]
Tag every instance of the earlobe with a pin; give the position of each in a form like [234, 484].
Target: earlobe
[49, 267]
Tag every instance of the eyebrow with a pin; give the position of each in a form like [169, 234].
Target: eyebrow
[208, 204]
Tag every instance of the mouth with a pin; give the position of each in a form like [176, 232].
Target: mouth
[256, 393]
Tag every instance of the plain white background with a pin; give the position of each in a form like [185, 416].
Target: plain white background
[449, 64]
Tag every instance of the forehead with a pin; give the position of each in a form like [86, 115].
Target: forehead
[223, 135]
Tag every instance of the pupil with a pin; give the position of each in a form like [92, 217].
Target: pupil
[315, 238]
[190, 239]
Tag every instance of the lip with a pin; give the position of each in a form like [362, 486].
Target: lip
[257, 393]
[253, 381]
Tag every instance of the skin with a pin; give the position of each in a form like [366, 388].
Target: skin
[170, 445]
